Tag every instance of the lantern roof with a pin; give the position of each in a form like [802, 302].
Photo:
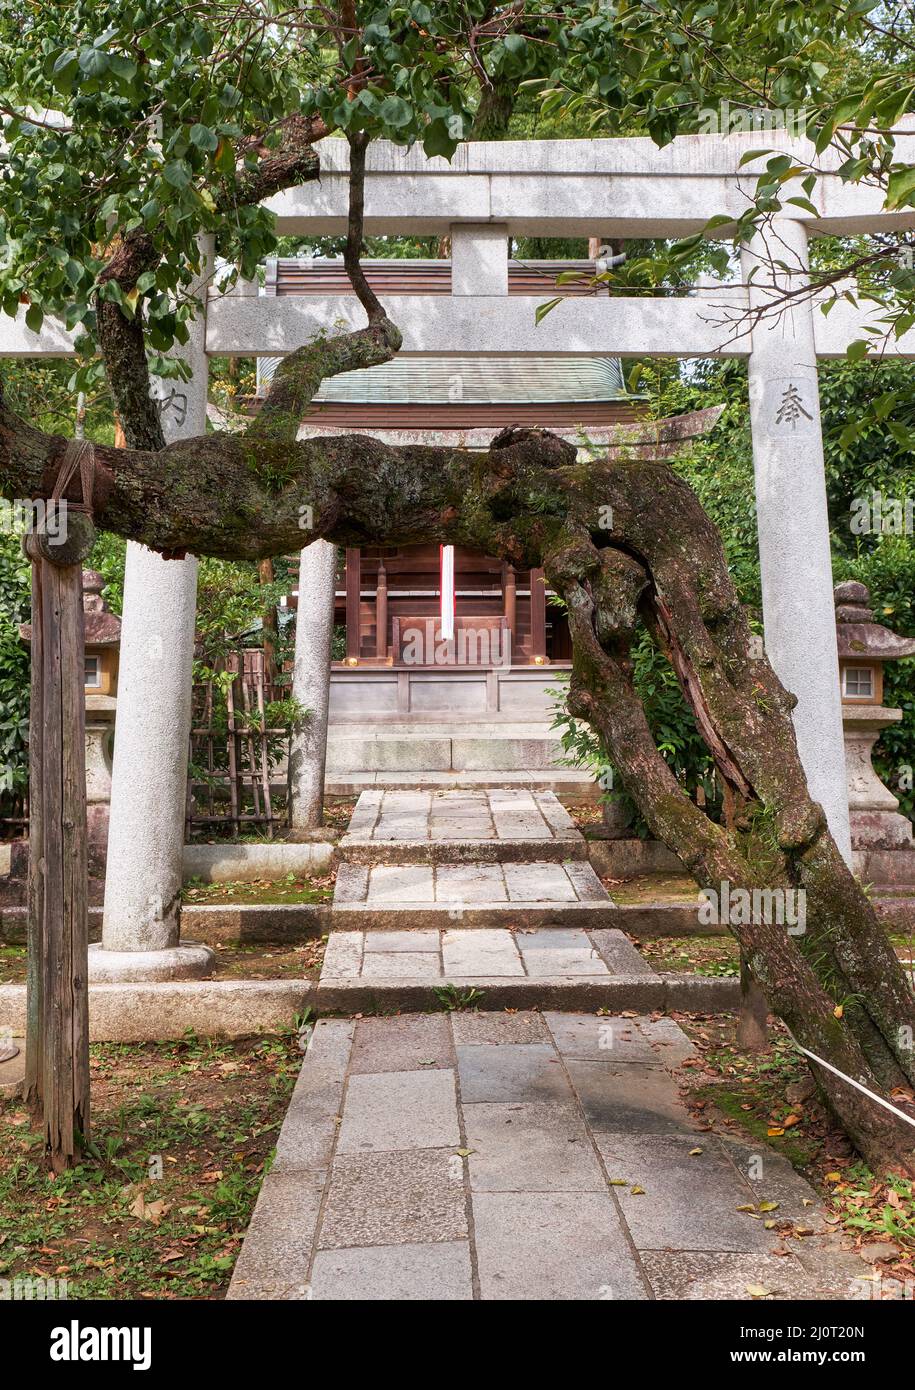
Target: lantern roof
[859, 637]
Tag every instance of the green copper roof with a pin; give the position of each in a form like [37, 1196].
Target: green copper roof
[473, 381]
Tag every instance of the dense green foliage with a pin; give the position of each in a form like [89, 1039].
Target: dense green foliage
[14, 669]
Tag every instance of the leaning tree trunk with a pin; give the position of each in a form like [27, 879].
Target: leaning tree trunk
[623, 542]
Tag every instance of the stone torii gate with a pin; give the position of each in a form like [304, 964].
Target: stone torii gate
[617, 188]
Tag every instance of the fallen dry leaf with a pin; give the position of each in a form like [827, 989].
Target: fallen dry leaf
[148, 1211]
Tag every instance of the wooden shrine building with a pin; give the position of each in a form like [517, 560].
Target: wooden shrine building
[389, 601]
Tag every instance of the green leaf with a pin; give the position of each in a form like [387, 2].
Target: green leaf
[543, 309]
[93, 62]
[65, 59]
[395, 112]
[804, 203]
[900, 187]
[515, 44]
[203, 137]
[177, 173]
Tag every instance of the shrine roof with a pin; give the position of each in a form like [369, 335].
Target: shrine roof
[427, 381]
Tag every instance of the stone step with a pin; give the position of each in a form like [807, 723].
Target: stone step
[410, 916]
[461, 851]
[509, 825]
[566, 782]
[541, 893]
[613, 994]
[439, 952]
[453, 746]
[494, 967]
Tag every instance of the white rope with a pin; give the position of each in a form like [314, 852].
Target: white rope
[887, 1105]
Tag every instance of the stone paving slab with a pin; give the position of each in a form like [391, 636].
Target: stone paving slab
[690, 1199]
[531, 1147]
[556, 1246]
[514, 1072]
[497, 823]
[388, 897]
[500, 814]
[476, 952]
[500, 1156]
[395, 1273]
[404, 1043]
[394, 1110]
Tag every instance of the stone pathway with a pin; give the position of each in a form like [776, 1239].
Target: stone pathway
[521, 1156]
[423, 859]
[488, 891]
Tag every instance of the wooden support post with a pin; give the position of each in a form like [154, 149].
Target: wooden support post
[752, 1021]
[538, 615]
[57, 1045]
[34, 1028]
[381, 612]
[266, 575]
[509, 593]
[353, 597]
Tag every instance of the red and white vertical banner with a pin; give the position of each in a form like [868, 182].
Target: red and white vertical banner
[446, 553]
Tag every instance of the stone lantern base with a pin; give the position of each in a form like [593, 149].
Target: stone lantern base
[882, 841]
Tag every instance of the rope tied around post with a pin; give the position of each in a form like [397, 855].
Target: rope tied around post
[66, 533]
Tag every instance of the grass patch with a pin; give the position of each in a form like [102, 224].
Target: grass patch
[301, 961]
[653, 888]
[182, 1133]
[338, 813]
[586, 814]
[292, 888]
[12, 965]
[695, 955]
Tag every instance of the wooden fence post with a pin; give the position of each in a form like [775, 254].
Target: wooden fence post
[57, 1043]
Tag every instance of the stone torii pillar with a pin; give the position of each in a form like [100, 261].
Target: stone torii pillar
[314, 630]
[141, 921]
[792, 517]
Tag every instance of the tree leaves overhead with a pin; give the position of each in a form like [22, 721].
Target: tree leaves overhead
[149, 117]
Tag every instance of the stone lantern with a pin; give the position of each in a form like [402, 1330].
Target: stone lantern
[103, 640]
[884, 853]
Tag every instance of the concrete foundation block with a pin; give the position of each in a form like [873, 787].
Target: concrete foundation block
[241, 863]
[153, 1012]
[631, 858]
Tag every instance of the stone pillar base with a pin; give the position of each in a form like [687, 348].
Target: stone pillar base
[319, 834]
[187, 961]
